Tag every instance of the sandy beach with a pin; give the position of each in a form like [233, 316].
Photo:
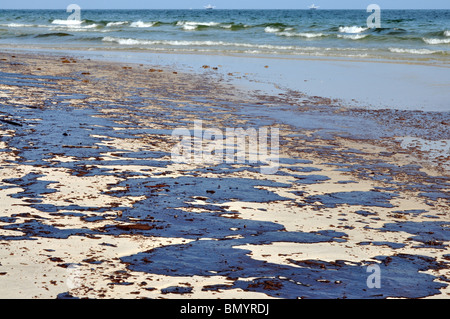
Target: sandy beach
[92, 204]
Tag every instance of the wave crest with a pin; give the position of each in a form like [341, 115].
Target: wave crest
[141, 24]
[352, 36]
[412, 51]
[194, 25]
[67, 22]
[112, 24]
[271, 30]
[17, 25]
[301, 34]
[436, 41]
[352, 29]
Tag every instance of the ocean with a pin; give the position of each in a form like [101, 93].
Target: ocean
[422, 35]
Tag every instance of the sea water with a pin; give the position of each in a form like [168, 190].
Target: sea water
[402, 34]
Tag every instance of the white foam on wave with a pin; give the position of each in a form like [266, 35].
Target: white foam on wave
[130, 41]
[271, 30]
[289, 33]
[352, 36]
[216, 46]
[193, 25]
[75, 28]
[412, 51]
[90, 26]
[124, 41]
[301, 34]
[189, 27]
[67, 22]
[141, 24]
[352, 29]
[112, 24]
[17, 25]
[436, 41]
[447, 33]
[73, 25]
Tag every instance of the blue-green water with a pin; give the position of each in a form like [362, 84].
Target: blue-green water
[404, 34]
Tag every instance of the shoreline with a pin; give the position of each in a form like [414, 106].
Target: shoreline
[427, 134]
[356, 83]
[105, 207]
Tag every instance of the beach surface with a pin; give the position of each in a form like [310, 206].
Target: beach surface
[92, 204]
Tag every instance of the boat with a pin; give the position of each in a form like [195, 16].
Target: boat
[313, 7]
[209, 7]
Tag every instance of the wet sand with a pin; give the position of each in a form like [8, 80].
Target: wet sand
[92, 206]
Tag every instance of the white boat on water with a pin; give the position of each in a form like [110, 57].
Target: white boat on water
[313, 7]
[209, 7]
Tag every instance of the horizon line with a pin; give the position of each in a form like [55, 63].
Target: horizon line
[200, 9]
